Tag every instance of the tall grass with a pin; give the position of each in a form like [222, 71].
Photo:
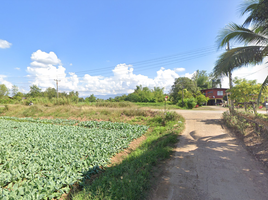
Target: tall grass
[115, 104]
[72, 111]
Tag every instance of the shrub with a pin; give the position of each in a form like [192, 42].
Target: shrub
[191, 103]
[235, 122]
[187, 103]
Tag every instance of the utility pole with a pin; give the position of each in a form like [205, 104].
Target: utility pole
[57, 82]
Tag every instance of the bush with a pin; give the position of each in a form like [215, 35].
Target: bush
[188, 103]
[235, 122]
[191, 103]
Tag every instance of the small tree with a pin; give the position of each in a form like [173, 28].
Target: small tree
[50, 92]
[14, 90]
[245, 91]
[3, 90]
[91, 98]
[180, 84]
[35, 91]
[201, 99]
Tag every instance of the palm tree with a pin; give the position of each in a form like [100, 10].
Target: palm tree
[254, 38]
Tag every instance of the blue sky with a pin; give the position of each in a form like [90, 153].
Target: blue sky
[109, 47]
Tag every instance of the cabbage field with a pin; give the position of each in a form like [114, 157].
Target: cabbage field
[42, 158]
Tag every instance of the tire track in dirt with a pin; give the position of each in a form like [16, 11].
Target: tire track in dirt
[210, 164]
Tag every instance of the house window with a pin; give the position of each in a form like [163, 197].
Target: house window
[220, 93]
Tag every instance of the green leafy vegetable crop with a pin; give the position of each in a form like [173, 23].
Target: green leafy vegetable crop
[40, 160]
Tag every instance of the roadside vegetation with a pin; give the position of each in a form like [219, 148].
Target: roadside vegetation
[249, 125]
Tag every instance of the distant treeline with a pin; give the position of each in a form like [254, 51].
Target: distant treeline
[184, 92]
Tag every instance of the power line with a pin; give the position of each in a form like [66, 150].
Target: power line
[139, 67]
[253, 72]
[172, 59]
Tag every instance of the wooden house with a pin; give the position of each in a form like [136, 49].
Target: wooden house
[215, 95]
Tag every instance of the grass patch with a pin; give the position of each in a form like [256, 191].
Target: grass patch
[161, 105]
[115, 104]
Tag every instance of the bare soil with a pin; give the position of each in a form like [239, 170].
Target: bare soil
[211, 163]
[255, 142]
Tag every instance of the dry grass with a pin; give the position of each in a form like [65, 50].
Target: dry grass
[75, 112]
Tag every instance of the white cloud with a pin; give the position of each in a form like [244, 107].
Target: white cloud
[40, 57]
[71, 64]
[125, 81]
[179, 69]
[17, 68]
[46, 67]
[3, 81]
[4, 44]
[258, 72]
[188, 75]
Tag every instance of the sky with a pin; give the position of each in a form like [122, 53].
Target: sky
[108, 47]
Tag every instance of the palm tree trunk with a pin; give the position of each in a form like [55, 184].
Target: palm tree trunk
[263, 87]
[231, 86]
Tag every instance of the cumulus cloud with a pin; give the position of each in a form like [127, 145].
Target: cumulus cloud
[4, 44]
[3, 81]
[46, 67]
[43, 58]
[17, 68]
[258, 72]
[125, 81]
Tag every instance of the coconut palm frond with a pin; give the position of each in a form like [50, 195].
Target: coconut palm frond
[241, 34]
[257, 10]
[263, 88]
[238, 57]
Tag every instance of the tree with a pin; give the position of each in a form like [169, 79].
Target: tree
[158, 94]
[245, 91]
[254, 38]
[180, 84]
[202, 79]
[14, 90]
[201, 99]
[74, 96]
[91, 98]
[18, 96]
[35, 91]
[50, 92]
[3, 90]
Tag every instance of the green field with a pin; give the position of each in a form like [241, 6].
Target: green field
[41, 159]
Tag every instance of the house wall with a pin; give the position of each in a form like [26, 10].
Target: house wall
[214, 92]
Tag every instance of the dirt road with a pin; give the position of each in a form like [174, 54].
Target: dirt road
[210, 164]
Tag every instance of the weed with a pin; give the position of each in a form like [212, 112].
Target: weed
[32, 111]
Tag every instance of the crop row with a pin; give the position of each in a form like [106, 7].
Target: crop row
[42, 160]
[89, 124]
